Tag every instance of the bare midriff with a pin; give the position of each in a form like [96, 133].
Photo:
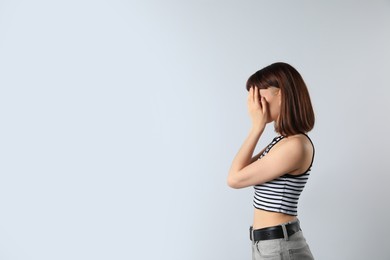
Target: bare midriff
[263, 218]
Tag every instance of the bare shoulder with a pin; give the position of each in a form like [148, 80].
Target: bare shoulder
[295, 143]
[299, 148]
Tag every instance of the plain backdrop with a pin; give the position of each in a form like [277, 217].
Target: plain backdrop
[119, 121]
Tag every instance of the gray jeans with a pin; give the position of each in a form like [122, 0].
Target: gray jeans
[293, 248]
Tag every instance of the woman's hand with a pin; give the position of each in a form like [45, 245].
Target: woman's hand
[258, 109]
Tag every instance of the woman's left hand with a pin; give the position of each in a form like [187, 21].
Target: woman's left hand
[258, 109]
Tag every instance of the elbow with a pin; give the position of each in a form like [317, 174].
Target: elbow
[233, 183]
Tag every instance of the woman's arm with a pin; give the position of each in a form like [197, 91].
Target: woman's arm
[284, 157]
[258, 111]
[244, 155]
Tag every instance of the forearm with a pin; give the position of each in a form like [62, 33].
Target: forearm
[258, 111]
[244, 155]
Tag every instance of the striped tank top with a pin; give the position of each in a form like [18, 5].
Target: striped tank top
[281, 194]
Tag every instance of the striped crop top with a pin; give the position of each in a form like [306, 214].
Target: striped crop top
[281, 194]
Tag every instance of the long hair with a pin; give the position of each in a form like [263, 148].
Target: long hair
[296, 111]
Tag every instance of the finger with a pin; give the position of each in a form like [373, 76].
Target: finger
[256, 95]
[264, 105]
[250, 94]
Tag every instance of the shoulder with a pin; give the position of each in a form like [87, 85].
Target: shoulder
[295, 145]
[293, 141]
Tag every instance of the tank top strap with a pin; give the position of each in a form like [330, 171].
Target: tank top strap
[314, 150]
[274, 141]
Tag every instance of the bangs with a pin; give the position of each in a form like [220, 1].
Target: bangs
[262, 79]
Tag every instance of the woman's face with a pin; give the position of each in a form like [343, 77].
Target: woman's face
[273, 96]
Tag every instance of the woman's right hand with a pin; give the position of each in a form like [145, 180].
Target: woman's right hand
[258, 109]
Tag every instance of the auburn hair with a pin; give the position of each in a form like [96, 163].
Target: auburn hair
[296, 111]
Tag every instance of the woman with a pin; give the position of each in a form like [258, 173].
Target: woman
[277, 93]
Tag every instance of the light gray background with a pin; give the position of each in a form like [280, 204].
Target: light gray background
[119, 121]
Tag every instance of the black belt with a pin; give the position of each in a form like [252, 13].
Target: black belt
[274, 232]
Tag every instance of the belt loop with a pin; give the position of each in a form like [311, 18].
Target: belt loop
[285, 234]
[251, 233]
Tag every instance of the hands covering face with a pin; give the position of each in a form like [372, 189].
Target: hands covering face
[257, 108]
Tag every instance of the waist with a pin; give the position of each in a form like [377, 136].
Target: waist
[263, 218]
[284, 230]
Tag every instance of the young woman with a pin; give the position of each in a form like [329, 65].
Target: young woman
[277, 93]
